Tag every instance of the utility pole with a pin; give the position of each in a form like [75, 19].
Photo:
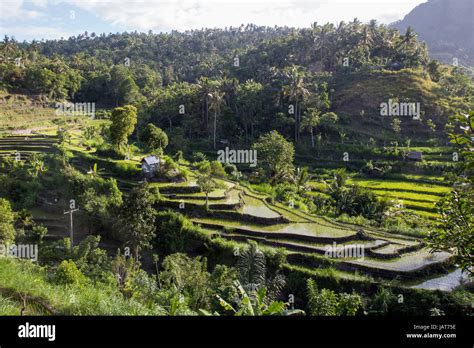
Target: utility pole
[72, 209]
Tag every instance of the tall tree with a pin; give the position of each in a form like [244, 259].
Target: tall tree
[249, 95]
[123, 120]
[216, 99]
[137, 219]
[310, 120]
[455, 230]
[205, 180]
[275, 156]
[296, 91]
[155, 138]
[122, 86]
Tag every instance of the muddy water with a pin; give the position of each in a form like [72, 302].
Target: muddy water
[256, 207]
[444, 283]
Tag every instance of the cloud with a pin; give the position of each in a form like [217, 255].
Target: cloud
[13, 10]
[37, 32]
[167, 15]
[39, 3]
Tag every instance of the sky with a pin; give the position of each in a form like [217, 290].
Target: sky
[53, 19]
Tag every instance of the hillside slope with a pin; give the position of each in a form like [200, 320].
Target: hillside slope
[447, 26]
[359, 96]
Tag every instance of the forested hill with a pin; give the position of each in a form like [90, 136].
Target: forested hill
[210, 52]
[248, 77]
[447, 26]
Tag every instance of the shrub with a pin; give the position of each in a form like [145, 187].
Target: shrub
[189, 277]
[178, 157]
[329, 303]
[154, 137]
[91, 260]
[106, 150]
[172, 232]
[222, 284]
[54, 252]
[217, 169]
[382, 301]
[349, 304]
[198, 157]
[275, 258]
[231, 170]
[356, 200]
[322, 302]
[7, 232]
[67, 273]
[264, 188]
[37, 233]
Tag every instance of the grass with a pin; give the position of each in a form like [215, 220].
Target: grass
[285, 211]
[329, 273]
[22, 115]
[401, 186]
[434, 179]
[27, 278]
[409, 196]
[8, 306]
[418, 197]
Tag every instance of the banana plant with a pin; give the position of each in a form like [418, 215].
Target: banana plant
[254, 303]
[95, 171]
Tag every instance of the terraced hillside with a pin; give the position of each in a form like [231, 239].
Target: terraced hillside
[22, 146]
[238, 213]
[254, 217]
[415, 196]
[22, 114]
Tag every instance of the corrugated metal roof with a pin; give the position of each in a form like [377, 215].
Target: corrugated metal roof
[151, 160]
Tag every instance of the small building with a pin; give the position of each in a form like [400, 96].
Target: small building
[415, 156]
[150, 165]
[396, 66]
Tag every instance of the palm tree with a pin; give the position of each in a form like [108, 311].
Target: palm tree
[204, 88]
[216, 99]
[9, 46]
[382, 301]
[251, 266]
[343, 135]
[33, 51]
[296, 91]
[311, 119]
[366, 42]
[409, 38]
[248, 97]
[302, 179]
[229, 87]
[324, 38]
[38, 165]
[252, 272]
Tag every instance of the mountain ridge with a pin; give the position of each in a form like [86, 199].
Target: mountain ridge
[447, 26]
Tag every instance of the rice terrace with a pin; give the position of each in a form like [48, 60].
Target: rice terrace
[313, 171]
